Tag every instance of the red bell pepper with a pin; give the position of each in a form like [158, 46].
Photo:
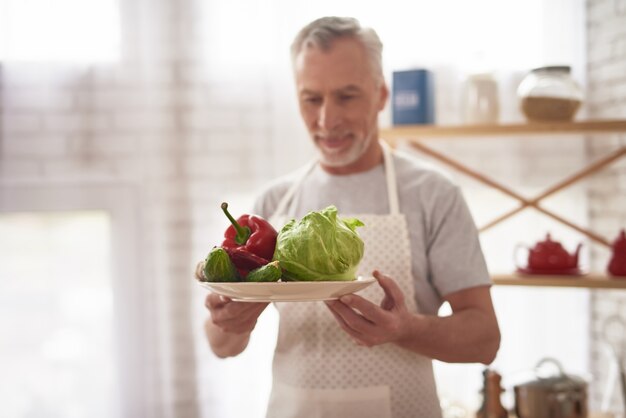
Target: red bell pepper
[245, 261]
[251, 233]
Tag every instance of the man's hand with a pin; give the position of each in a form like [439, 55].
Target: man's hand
[233, 317]
[469, 335]
[369, 324]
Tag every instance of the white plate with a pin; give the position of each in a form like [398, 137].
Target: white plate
[288, 291]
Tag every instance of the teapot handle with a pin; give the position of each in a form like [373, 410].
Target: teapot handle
[516, 253]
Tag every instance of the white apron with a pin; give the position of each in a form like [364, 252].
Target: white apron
[319, 372]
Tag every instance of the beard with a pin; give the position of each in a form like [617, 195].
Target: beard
[342, 156]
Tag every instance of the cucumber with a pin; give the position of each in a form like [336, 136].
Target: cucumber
[219, 268]
[270, 272]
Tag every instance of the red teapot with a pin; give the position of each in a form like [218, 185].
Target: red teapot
[549, 257]
[617, 265]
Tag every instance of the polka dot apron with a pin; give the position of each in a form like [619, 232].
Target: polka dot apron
[319, 372]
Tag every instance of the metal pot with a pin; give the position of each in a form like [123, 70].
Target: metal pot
[560, 396]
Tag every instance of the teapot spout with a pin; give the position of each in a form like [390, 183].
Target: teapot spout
[576, 254]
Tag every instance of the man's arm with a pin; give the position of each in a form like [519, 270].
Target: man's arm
[230, 324]
[471, 334]
[225, 344]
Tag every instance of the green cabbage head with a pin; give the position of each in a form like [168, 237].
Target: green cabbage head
[320, 247]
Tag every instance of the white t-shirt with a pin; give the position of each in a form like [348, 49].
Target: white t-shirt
[444, 241]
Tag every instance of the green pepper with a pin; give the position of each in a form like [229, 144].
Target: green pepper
[270, 272]
[219, 268]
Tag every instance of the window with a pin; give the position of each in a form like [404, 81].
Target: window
[60, 30]
[70, 321]
[56, 315]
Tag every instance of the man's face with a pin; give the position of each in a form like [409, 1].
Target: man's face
[340, 97]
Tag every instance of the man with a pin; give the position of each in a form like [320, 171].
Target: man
[367, 355]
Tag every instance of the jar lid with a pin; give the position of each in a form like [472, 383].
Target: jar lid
[554, 68]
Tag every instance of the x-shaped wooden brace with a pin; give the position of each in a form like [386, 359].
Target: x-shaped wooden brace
[533, 202]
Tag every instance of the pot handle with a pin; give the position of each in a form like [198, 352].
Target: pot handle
[549, 360]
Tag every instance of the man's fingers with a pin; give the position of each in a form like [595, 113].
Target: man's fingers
[241, 310]
[215, 301]
[237, 317]
[367, 323]
[391, 289]
[356, 335]
[351, 318]
[370, 311]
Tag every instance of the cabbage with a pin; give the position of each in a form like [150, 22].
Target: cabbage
[319, 247]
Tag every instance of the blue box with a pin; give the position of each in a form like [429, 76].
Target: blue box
[413, 97]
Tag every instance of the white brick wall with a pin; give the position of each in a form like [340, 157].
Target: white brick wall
[161, 125]
[606, 52]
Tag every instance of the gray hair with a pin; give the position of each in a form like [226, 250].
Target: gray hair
[324, 31]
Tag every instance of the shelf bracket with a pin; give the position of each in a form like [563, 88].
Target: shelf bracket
[524, 202]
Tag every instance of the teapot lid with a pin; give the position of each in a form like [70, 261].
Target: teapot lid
[548, 244]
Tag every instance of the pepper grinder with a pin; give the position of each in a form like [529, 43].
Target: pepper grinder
[492, 407]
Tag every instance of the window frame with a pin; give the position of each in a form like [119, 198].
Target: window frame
[121, 203]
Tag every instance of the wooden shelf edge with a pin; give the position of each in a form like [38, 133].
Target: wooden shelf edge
[590, 281]
[392, 134]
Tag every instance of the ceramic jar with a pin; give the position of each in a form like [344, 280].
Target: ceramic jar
[481, 104]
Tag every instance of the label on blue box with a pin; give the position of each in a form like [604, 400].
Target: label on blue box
[413, 98]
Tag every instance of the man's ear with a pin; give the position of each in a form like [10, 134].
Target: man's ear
[384, 96]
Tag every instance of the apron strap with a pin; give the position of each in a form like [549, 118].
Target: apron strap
[392, 184]
[390, 175]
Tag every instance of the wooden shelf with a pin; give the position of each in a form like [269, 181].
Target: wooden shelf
[536, 128]
[590, 281]
[417, 137]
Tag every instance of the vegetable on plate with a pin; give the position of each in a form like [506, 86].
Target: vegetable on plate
[249, 241]
[219, 268]
[320, 247]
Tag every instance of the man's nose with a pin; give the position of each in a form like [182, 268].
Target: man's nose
[329, 116]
